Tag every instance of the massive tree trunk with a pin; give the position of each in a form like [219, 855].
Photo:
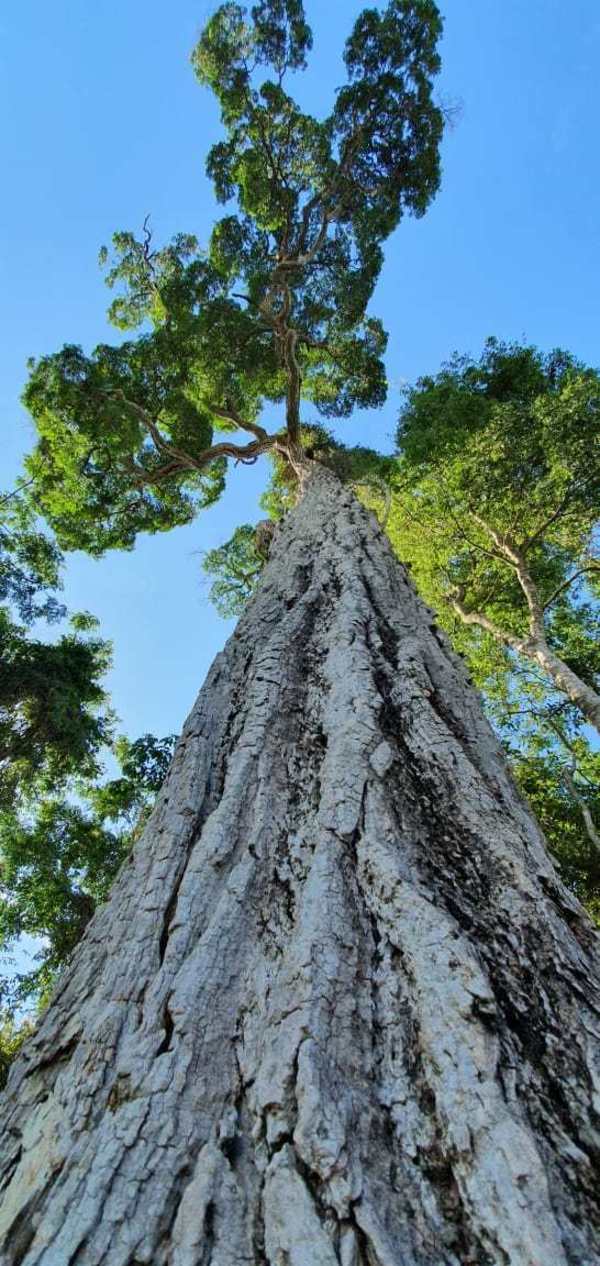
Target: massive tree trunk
[339, 1011]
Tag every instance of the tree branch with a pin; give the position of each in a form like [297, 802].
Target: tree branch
[591, 831]
[292, 412]
[229, 414]
[16, 491]
[593, 566]
[514, 555]
[483, 621]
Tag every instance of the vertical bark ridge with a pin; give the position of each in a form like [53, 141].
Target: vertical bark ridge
[339, 1010]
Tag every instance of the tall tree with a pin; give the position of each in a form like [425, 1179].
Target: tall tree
[495, 508]
[336, 1010]
[498, 508]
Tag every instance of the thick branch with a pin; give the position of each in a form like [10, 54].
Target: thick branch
[302, 259]
[292, 413]
[182, 460]
[229, 414]
[514, 555]
[482, 621]
[246, 454]
[536, 648]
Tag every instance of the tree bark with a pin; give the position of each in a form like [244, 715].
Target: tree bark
[339, 1011]
[582, 695]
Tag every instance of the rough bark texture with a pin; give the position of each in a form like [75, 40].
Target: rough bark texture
[339, 1011]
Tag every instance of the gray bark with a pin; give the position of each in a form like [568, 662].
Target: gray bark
[339, 1011]
[582, 695]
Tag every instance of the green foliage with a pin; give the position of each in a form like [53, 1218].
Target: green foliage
[29, 564]
[53, 710]
[541, 777]
[129, 798]
[506, 450]
[99, 480]
[52, 714]
[59, 855]
[236, 567]
[373, 158]
[276, 311]
[12, 1036]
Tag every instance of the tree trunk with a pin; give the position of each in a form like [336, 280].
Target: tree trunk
[339, 1010]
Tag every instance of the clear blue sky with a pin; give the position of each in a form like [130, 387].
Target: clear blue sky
[103, 123]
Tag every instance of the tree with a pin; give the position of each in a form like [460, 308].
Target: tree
[337, 1008]
[277, 308]
[63, 834]
[500, 485]
[59, 853]
[53, 708]
[495, 510]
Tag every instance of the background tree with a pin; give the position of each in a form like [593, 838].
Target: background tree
[495, 509]
[63, 833]
[501, 477]
[334, 1009]
[60, 853]
[54, 716]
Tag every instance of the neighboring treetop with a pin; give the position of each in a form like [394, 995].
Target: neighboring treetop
[496, 510]
[500, 474]
[275, 311]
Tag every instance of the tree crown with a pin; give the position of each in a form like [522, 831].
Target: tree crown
[275, 311]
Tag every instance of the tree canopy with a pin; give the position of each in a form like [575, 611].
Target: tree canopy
[54, 713]
[495, 509]
[275, 311]
[63, 829]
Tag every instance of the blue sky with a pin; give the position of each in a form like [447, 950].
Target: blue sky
[103, 122]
